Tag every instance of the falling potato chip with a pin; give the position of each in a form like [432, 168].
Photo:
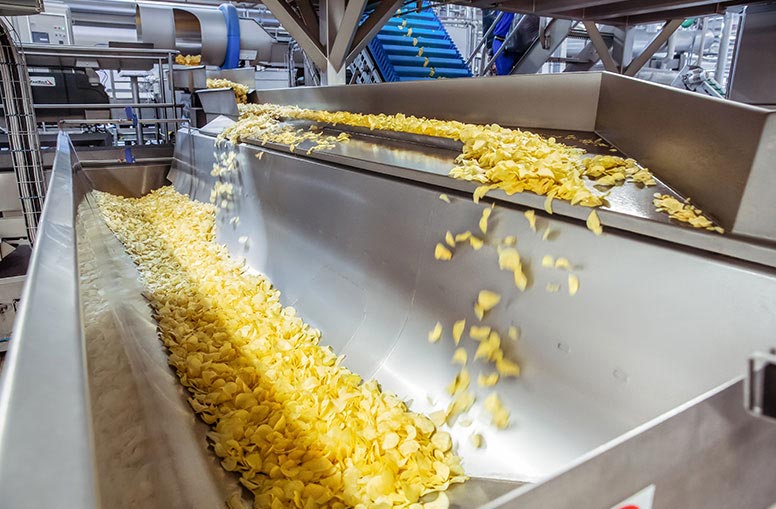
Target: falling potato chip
[562, 263]
[425, 61]
[435, 333]
[508, 259]
[548, 203]
[465, 421]
[513, 333]
[488, 299]
[442, 253]
[414, 41]
[484, 220]
[243, 239]
[259, 155]
[479, 312]
[475, 243]
[490, 348]
[458, 328]
[487, 380]
[463, 237]
[404, 22]
[552, 287]
[420, 51]
[509, 240]
[460, 356]
[548, 261]
[460, 383]
[409, 32]
[476, 440]
[505, 367]
[479, 333]
[573, 284]
[531, 216]
[432, 72]
[444, 198]
[593, 223]
[450, 239]
[547, 233]
[499, 415]
[480, 192]
[521, 280]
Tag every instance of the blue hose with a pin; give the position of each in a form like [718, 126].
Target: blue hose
[232, 59]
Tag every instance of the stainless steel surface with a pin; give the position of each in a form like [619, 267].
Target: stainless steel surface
[760, 385]
[193, 30]
[754, 61]
[20, 7]
[92, 416]
[245, 76]
[550, 38]
[43, 392]
[218, 101]
[724, 169]
[47, 55]
[362, 270]
[190, 78]
[660, 39]
[305, 35]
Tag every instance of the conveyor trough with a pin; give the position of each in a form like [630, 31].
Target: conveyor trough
[634, 381]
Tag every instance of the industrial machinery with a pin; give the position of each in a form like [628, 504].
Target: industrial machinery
[632, 391]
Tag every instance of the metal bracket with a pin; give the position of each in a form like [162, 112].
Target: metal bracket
[760, 385]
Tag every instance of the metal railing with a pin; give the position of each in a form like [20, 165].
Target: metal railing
[22, 129]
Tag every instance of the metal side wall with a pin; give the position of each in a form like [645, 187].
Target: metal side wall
[652, 328]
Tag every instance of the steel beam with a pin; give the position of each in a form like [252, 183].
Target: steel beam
[600, 46]
[346, 32]
[371, 26]
[309, 16]
[660, 39]
[306, 37]
[533, 59]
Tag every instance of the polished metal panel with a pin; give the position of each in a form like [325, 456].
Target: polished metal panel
[754, 63]
[353, 253]
[44, 413]
[551, 101]
[245, 76]
[717, 152]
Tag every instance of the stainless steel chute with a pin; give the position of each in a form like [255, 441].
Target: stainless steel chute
[635, 381]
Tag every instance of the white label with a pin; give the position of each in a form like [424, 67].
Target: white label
[641, 500]
[43, 81]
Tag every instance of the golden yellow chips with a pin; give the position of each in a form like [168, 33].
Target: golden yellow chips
[435, 333]
[593, 223]
[531, 216]
[444, 198]
[458, 328]
[487, 380]
[442, 253]
[460, 356]
[488, 299]
[573, 284]
[484, 220]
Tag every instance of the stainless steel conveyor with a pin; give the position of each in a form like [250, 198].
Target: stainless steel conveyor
[634, 384]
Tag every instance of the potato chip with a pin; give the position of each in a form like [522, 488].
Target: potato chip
[442, 253]
[475, 243]
[505, 367]
[548, 203]
[460, 356]
[562, 263]
[484, 220]
[488, 299]
[499, 415]
[521, 280]
[548, 261]
[463, 237]
[458, 328]
[476, 440]
[547, 233]
[552, 287]
[460, 383]
[449, 239]
[444, 198]
[435, 333]
[487, 380]
[531, 216]
[509, 240]
[513, 333]
[573, 284]
[593, 223]
[479, 333]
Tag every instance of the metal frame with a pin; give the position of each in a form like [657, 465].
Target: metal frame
[22, 129]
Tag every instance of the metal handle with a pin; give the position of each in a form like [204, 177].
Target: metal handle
[760, 385]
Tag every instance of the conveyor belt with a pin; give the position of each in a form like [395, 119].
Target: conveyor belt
[397, 57]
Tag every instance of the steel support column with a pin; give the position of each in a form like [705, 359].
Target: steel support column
[600, 46]
[660, 39]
